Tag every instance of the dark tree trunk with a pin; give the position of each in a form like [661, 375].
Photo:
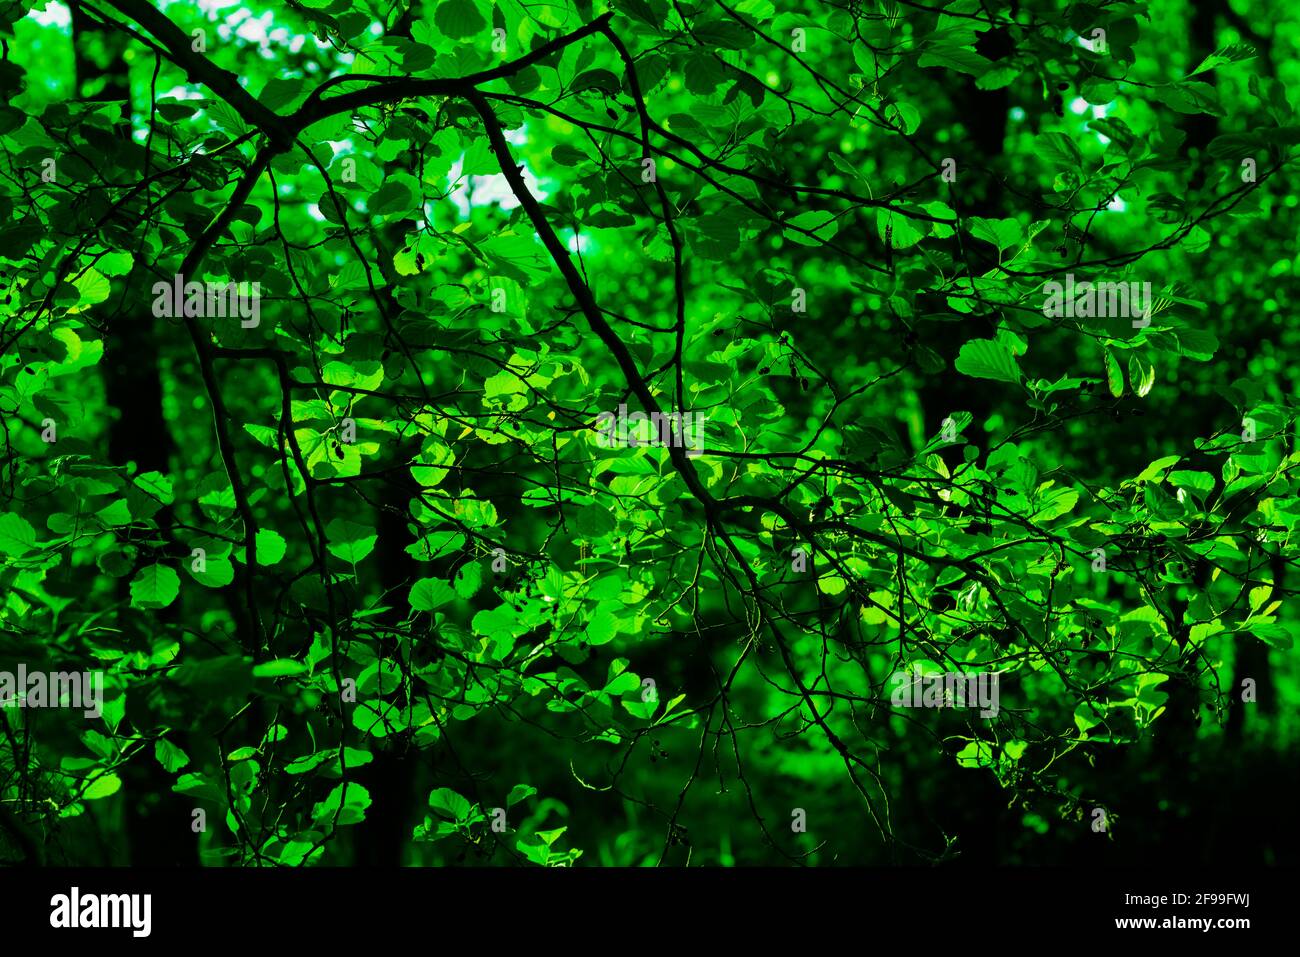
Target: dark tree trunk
[158, 822]
[381, 840]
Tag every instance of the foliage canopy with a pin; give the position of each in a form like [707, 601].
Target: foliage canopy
[368, 583]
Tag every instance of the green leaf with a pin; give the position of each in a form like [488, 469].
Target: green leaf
[1156, 470]
[977, 754]
[17, 537]
[1114, 374]
[596, 80]
[450, 804]
[104, 785]
[216, 496]
[169, 755]
[519, 793]
[1113, 128]
[1232, 53]
[379, 718]
[723, 34]
[269, 546]
[1087, 716]
[468, 580]
[198, 786]
[593, 522]
[1061, 151]
[1003, 233]
[430, 593]
[1198, 344]
[998, 75]
[157, 486]
[1054, 503]
[349, 541]
[954, 57]
[1141, 374]
[1202, 483]
[1190, 96]
[218, 572]
[1273, 634]
[821, 223]
[458, 19]
[567, 155]
[279, 668]
[226, 117]
[348, 801]
[987, 359]
[898, 230]
[395, 196]
[154, 586]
